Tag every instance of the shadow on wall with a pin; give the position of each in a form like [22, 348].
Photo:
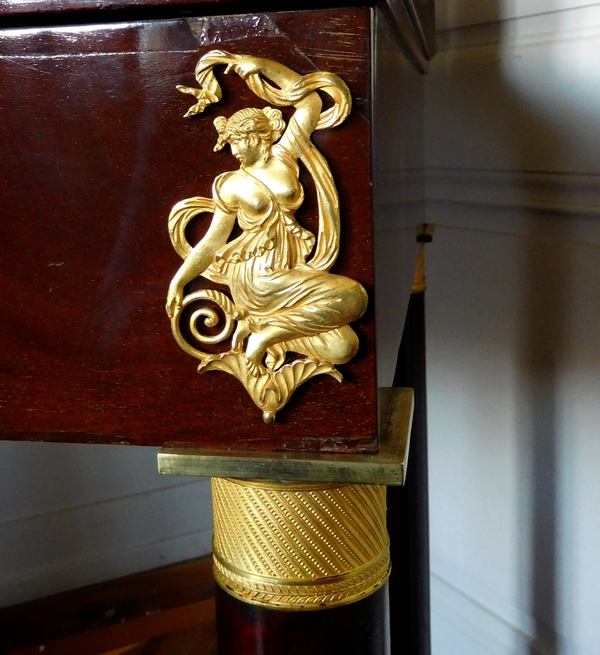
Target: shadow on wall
[530, 139]
[77, 514]
[545, 274]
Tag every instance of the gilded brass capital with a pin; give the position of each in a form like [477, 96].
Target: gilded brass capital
[299, 546]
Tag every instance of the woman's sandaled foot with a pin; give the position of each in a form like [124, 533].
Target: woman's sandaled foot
[241, 332]
[275, 357]
[253, 369]
[255, 351]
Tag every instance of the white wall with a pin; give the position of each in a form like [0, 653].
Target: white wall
[513, 173]
[73, 515]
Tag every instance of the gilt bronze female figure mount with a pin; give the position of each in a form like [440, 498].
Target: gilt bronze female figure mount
[287, 316]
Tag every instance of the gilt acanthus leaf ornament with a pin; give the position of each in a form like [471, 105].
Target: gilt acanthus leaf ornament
[287, 316]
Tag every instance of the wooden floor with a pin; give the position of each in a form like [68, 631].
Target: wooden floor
[168, 611]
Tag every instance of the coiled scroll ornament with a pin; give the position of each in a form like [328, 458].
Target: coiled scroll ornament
[288, 317]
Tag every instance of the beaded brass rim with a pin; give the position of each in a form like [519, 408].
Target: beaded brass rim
[299, 546]
[276, 594]
[274, 485]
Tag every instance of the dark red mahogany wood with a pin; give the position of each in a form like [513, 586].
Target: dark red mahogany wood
[93, 155]
[357, 629]
[47, 6]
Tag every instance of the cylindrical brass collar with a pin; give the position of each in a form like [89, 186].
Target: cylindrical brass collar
[299, 546]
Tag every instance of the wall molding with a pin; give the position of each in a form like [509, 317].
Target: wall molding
[455, 14]
[564, 193]
[504, 36]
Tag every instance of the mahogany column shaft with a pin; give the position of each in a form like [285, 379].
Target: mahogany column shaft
[360, 628]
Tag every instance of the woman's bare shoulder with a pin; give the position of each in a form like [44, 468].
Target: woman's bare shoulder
[226, 187]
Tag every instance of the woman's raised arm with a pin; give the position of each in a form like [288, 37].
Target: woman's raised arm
[308, 110]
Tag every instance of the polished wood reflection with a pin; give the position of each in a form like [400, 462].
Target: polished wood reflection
[357, 629]
[95, 152]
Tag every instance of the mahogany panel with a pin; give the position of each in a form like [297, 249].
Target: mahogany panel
[8, 7]
[32, 8]
[413, 20]
[94, 154]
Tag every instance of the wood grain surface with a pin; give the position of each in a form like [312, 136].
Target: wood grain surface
[173, 605]
[129, 8]
[94, 154]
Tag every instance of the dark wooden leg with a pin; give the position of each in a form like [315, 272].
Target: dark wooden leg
[408, 508]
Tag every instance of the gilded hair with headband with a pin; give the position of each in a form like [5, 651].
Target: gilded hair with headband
[267, 124]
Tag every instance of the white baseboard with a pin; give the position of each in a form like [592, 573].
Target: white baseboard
[462, 626]
[77, 546]
[107, 566]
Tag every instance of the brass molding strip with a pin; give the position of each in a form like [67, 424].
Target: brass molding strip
[387, 467]
[299, 546]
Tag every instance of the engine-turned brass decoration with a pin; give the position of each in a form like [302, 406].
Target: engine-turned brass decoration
[299, 546]
[288, 318]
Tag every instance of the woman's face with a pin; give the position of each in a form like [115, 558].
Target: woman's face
[246, 149]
